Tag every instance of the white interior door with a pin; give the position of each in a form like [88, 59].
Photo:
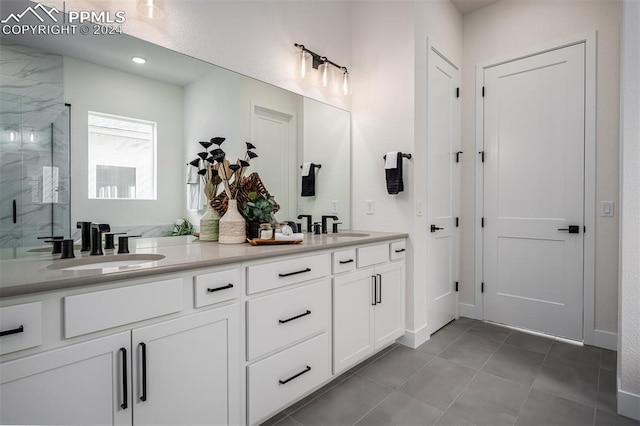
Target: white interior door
[443, 193]
[534, 188]
[274, 134]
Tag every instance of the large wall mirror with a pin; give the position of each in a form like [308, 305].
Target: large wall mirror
[130, 130]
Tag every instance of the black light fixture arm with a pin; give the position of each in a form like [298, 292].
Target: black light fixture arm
[319, 60]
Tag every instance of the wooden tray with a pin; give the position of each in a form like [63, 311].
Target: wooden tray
[270, 241]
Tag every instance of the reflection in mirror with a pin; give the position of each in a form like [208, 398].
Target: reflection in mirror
[188, 100]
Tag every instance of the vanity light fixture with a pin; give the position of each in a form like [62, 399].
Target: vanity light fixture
[151, 9]
[139, 60]
[325, 66]
[13, 135]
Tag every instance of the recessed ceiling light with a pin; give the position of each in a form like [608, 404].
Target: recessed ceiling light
[139, 60]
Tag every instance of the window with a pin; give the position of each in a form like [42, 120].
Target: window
[122, 158]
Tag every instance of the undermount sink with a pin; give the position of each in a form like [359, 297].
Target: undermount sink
[350, 234]
[105, 262]
[48, 249]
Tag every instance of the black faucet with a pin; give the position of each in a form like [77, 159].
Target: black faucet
[324, 222]
[309, 220]
[85, 228]
[96, 237]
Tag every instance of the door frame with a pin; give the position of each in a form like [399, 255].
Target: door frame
[589, 40]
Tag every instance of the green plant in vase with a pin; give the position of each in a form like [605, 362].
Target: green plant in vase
[257, 209]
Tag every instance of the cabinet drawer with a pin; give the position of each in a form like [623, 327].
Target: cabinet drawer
[99, 310]
[279, 319]
[397, 250]
[21, 327]
[344, 261]
[209, 289]
[276, 381]
[285, 272]
[372, 255]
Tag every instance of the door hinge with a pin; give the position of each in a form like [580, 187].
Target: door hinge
[481, 287]
[456, 285]
[457, 92]
[457, 222]
[481, 155]
[482, 222]
[483, 91]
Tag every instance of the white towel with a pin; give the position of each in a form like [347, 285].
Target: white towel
[306, 168]
[292, 237]
[192, 175]
[194, 191]
[392, 160]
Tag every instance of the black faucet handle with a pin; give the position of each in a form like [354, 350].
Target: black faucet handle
[109, 243]
[57, 244]
[335, 227]
[316, 228]
[67, 249]
[123, 243]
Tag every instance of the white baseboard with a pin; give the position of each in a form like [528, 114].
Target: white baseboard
[467, 310]
[628, 404]
[605, 339]
[413, 339]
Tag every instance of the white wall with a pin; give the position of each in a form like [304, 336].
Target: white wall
[507, 27]
[629, 317]
[89, 87]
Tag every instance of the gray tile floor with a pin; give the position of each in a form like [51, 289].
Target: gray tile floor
[470, 373]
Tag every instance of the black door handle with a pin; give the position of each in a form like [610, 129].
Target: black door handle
[15, 212]
[306, 370]
[224, 287]
[572, 229]
[434, 228]
[143, 397]
[125, 390]
[308, 312]
[295, 273]
[12, 331]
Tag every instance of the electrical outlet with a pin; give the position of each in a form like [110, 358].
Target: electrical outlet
[334, 206]
[419, 208]
[371, 207]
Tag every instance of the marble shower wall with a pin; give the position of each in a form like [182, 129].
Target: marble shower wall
[34, 143]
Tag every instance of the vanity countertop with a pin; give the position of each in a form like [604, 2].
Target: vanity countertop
[30, 274]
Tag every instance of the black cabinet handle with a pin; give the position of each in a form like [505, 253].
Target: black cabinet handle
[379, 292]
[143, 397]
[400, 250]
[343, 262]
[125, 390]
[13, 331]
[15, 212]
[224, 287]
[306, 370]
[295, 273]
[375, 290]
[295, 318]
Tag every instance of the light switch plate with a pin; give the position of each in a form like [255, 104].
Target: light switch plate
[607, 209]
[371, 207]
[419, 208]
[334, 206]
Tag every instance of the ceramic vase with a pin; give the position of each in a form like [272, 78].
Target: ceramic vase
[209, 225]
[232, 225]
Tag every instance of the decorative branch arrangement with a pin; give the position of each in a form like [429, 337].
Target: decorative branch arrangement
[215, 169]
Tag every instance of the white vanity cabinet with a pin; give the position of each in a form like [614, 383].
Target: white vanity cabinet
[154, 371]
[288, 315]
[368, 306]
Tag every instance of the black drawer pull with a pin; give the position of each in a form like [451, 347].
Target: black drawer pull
[295, 273]
[342, 262]
[10, 332]
[143, 397]
[284, 382]
[125, 390]
[224, 287]
[400, 250]
[295, 318]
